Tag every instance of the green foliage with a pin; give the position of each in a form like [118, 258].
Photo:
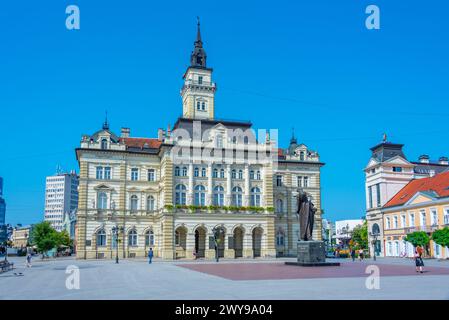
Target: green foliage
[418, 238]
[169, 207]
[270, 209]
[441, 237]
[46, 238]
[360, 236]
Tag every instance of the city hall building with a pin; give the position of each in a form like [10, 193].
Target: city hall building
[201, 180]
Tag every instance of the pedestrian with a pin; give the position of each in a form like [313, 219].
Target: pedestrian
[360, 254]
[28, 260]
[150, 255]
[353, 254]
[419, 263]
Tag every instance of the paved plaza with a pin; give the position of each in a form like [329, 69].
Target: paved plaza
[228, 279]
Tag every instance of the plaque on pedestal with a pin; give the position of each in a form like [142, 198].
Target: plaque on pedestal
[312, 254]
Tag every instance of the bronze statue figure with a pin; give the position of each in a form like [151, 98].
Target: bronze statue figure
[306, 211]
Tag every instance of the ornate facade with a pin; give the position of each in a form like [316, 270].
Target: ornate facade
[172, 192]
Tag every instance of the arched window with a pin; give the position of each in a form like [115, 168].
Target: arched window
[237, 196]
[149, 238]
[184, 171]
[233, 174]
[215, 173]
[251, 174]
[196, 172]
[258, 175]
[180, 194]
[177, 172]
[255, 197]
[150, 203]
[240, 174]
[203, 172]
[177, 238]
[200, 195]
[279, 205]
[101, 238]
[279, 238]
[132, 238]
[222, 173]
[203, 106]
[219, 196]
[376, 229]
[134, 203]
[301, 155]
[104, 144]
[102, 201]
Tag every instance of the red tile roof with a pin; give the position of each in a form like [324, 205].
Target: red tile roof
[438, 184]
[140, 143]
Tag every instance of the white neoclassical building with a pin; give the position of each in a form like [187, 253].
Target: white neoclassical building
[205, 185]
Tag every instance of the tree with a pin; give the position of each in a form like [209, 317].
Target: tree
[441, 237]
[418, 238]
[63, 238]
[360, 235]
[44, 237]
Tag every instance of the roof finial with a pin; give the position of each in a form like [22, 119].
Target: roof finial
[106, 124]
[293, 139]
[198, 34]
[384, 138]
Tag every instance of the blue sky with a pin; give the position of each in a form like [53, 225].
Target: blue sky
[311, 65]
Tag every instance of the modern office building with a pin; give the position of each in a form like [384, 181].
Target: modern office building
[61, 197]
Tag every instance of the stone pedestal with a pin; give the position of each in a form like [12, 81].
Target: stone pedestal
[312, 254]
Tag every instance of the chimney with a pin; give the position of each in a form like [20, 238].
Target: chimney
[160, 134]
[424, 158]
[443, 160]
[125, 132]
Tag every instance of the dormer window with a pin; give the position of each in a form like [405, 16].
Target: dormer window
[219, 141]
[104, 144]
[301, 155]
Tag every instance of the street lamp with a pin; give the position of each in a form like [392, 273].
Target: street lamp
[115, 231]
[217, 236]
[374, 242]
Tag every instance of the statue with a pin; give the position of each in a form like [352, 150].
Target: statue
[306, 211]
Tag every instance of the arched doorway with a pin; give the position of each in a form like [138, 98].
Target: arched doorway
[221, 232]
[180, 242]
[200, 242]
[238, 242]
[257, 242]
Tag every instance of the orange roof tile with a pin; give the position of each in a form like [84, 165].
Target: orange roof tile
[438, 184]
[140, 142]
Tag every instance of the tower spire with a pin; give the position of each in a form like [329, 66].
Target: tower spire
[198, 56]
[106, 124]
[293, 139]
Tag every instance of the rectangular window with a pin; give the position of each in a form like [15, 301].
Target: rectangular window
[423, 218]
[299, 180]
[134, 174]
[306, 182]
[99, 173]
[446, 216]
[378, 194]
[395, 222]
[434, 217]
[388, 223]
[200, 80]
[279, 181]
[151, 175]
[370, 196]
[107, 173]
[397, 169]
[412, 220]
[403, 221]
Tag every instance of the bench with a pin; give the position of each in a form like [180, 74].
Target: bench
[6, 266]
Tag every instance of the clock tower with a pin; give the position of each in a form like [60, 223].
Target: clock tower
[198, 91]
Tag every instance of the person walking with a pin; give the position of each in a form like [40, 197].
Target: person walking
[150, 256]
[419, 263]
[360, 254]
[28, 260]
[353, 254]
